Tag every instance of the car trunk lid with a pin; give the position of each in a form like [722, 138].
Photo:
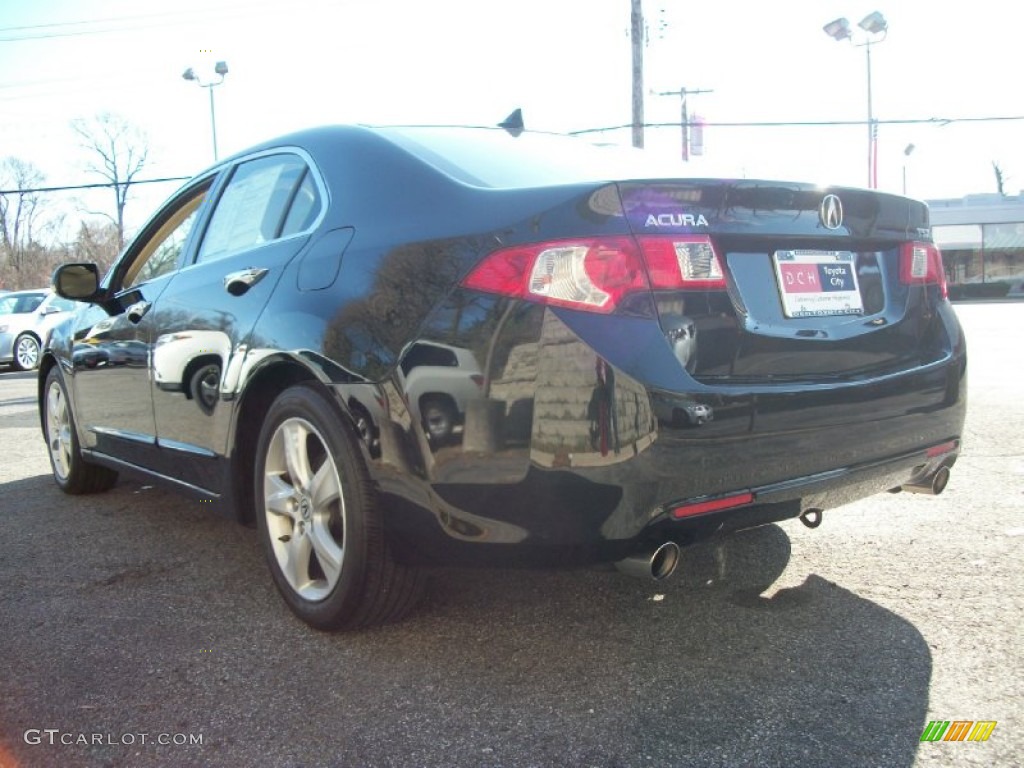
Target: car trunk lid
[784, 282]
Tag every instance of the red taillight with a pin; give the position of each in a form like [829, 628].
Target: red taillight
[592, 274]
[682, 262]
[921, 264]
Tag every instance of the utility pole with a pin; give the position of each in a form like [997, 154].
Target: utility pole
[682, 93]
[636, 17]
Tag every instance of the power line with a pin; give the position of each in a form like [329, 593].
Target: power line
[128, 23]
[941, 121]
[92, 186]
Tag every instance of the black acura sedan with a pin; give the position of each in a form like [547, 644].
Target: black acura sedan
[627, 361]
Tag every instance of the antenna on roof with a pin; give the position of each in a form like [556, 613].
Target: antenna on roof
[513, 123]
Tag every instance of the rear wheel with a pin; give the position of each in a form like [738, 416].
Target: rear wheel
[438, 418]
[71, 472]
[320, 522]
[26, 352]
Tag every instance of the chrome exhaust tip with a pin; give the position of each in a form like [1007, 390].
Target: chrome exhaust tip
[657, 564]
[932, 486]
[812, 517]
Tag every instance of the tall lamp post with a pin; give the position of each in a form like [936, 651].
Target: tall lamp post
[875, 30]
[220, 70]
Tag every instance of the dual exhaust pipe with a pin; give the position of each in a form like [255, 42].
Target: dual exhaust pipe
[660, 562]
[656, 563]
[933, 485]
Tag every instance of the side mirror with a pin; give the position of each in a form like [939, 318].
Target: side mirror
[79, 282]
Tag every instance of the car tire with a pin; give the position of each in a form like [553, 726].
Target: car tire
[72, 473]
[438, 418]
[205, 387]
[320, 521]
[26, 352]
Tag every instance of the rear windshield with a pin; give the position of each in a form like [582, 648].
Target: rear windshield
[491, 157]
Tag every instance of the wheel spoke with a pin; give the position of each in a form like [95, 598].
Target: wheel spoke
[279, 495]
[324, 487]
[296, 562]
[295, 454]
[328, 553]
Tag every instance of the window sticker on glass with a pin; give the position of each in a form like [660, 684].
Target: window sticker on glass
[817, 283]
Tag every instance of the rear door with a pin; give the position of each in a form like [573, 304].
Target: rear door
[262, 217]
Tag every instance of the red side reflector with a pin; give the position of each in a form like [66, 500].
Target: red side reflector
[941, 450]
[714, 505]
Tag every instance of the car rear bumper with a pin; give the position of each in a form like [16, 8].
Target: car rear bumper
[605, 460]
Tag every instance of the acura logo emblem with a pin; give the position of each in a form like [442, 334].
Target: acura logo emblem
[831, 212]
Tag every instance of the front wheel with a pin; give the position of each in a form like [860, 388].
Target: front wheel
[72, 473]
[26, 352]
[319, 519]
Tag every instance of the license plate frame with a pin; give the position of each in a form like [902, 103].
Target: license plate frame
[817, 283]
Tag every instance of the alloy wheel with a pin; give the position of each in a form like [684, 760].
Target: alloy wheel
[27, 353]
[304, 509]
[58, 430]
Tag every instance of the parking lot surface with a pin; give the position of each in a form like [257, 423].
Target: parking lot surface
[140, 630]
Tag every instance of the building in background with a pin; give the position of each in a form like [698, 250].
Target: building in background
[982, 243]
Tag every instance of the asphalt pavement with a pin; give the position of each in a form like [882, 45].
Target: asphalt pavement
[138, 629]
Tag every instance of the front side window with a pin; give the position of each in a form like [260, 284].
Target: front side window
[161, 253]
[57, 304]
[265, 199]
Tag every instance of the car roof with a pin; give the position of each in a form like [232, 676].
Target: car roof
[481, 156]
[28, 292]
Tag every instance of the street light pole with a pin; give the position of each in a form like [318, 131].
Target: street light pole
[213, 123]
[221, 69]
[874, 24]
[636, 35]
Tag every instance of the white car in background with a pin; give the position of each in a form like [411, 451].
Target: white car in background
[439, 381]
[25, 319]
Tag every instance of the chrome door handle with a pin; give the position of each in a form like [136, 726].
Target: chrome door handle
[138, 310]
[237, 283]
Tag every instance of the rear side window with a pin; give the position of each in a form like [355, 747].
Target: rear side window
[16, 305]
[304, 208]
[265, 199]
[427, 354]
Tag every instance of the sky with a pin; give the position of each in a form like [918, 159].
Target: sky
[565, 63]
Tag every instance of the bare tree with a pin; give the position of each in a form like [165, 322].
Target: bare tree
[1000, 178]
[96, 243]
[19, 205]
[120, 152]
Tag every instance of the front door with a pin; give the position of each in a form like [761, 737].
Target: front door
[113, 340]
